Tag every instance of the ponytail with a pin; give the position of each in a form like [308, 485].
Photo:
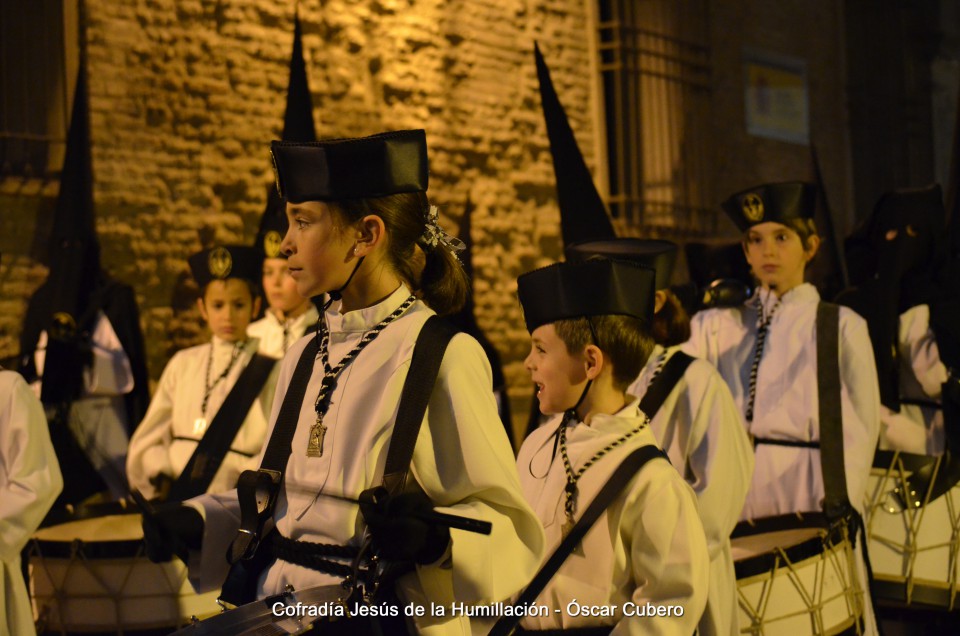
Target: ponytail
[435, 273]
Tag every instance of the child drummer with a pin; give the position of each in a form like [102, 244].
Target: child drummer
[590, 328]
[693, 417]
[196, 405]
[766, 350]
[363, 232]
[289, 315]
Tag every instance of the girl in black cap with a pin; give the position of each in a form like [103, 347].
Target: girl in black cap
[362, 231]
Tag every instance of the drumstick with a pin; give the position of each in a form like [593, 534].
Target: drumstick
[457, 522]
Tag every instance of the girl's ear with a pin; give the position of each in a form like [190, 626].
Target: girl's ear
[371, 231]
[593, 361]
[203, 309]
[256, 307]
[813, 244]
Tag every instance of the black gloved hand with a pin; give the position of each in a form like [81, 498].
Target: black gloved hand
[399, 527]
[171, 529]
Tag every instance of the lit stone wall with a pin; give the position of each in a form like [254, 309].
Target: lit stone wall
[185, 96]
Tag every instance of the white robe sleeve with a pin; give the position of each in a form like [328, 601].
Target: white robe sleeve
[861, 406]
[918, 347]
[720, 457]
[110, 373]
[30, 478]
[662, 531]
[149, 452]
[464, 463]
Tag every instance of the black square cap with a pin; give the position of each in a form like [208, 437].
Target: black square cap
[359, 168]
[595, 287]
[656, 254]
[776, 202]
[227, 261]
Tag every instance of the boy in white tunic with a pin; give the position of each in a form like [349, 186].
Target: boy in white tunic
[589, 324]
[196, 383]
[30, 481]
[362, 231]
[698, 424]
[766, 351]
[289, 315]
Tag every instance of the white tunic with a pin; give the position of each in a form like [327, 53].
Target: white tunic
[916, 429]
[647, 547]
[789, 479]
[98, 420]
[277, 336]
[30, 481]
[462, 461]
[175, 423]
[699, 427]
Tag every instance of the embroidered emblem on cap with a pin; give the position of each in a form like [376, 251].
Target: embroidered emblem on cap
[63, 327]
[219, 262]
[271, 244]
[752, 206]
[276, 173]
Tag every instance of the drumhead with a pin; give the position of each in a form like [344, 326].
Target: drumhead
[759, 546]
[112, 536]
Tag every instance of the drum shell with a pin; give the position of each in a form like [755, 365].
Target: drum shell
[913, 551]
[91, 575]
[796, 575]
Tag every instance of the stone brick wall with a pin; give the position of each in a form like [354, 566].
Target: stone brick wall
[185, 96]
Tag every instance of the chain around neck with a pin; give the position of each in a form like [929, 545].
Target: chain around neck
[208, 387]
[331, 374]
[569, 504]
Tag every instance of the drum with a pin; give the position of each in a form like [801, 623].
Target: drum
[91, 575]
[796, 575]
[914, 548]
[287, 613]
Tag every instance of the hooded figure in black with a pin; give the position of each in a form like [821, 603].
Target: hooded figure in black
[287, 316]
[893, 259]
[81, 339]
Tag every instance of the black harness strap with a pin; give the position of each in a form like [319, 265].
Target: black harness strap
[257, 490]
[757, 441]
[417, 388]
[663, 385]
[215, 443]
[836, 503]
[627, 469]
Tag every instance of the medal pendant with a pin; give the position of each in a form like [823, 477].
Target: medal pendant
[566, 530]
[317, 433]
[199, 425]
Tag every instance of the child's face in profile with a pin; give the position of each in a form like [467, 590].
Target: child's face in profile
[228, 308]
[559, 375]
[279, 287]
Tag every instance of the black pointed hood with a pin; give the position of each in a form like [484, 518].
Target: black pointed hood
[63, 306]
[583, 217]
[297, 126]
[298, 117]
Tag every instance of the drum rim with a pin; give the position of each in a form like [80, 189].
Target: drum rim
[764, 562]
[99, 550]
[912, 462]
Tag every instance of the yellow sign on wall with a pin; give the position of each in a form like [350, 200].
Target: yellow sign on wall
[776, 99]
